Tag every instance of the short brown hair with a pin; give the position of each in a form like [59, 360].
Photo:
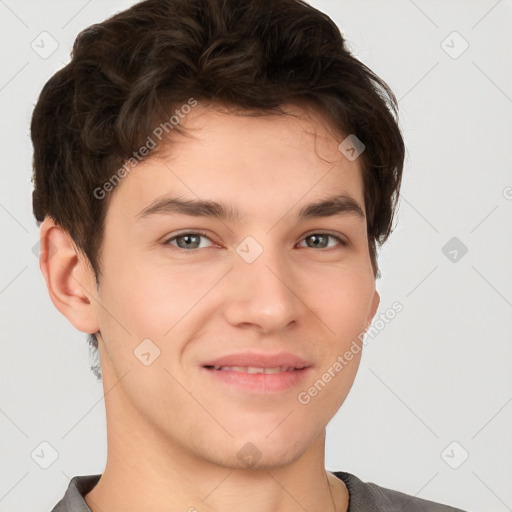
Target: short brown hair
[133, 70]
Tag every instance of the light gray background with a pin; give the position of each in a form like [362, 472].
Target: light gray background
[438, 373]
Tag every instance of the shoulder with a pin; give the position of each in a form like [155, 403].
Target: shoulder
[370, 497]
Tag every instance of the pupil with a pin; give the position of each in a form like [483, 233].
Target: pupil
[316, 239]
[188, 239]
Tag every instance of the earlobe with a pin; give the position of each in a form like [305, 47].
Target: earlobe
[68, 276]
[373, 308]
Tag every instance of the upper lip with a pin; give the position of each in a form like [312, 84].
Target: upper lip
[260, 360]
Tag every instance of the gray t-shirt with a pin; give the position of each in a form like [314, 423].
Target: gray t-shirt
[364, 497]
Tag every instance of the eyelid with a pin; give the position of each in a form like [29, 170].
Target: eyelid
[188, 232]
[337, 236]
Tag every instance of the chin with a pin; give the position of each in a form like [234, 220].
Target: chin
[258, 451]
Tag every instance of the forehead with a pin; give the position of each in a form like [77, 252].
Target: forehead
[245, 161]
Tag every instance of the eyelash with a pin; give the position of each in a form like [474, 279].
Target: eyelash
[342, 242]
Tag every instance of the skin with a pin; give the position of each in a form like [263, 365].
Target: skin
[173, 430]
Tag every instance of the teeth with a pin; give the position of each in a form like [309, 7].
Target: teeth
[272, 370]
[255, 369]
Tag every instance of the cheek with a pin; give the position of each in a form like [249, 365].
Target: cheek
[344, 301]
[155, 301]
[140, 305]
[145, 293]
[342, 305]
[131, 309]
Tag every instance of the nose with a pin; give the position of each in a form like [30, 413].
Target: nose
[264, 293]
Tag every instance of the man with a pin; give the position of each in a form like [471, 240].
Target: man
[212, 179]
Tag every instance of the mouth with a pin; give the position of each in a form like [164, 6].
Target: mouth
[258, 373]
[254, 369]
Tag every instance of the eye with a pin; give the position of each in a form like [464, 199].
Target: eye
[320, 240]
[191, 240]
[187, 240]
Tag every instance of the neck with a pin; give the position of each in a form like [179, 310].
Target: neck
[147, 470]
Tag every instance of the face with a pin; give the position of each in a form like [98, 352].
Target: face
[221, 320]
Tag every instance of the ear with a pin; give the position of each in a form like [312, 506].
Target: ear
[373, 308]
[69, 277]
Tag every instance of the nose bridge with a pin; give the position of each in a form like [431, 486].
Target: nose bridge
[264, 286]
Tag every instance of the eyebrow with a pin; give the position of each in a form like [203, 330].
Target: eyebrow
[338, 205]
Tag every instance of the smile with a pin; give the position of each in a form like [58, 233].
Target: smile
[253, 369]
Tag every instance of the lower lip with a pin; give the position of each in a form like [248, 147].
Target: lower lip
[260, 382]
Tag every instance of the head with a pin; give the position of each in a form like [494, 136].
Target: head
[243, 106]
